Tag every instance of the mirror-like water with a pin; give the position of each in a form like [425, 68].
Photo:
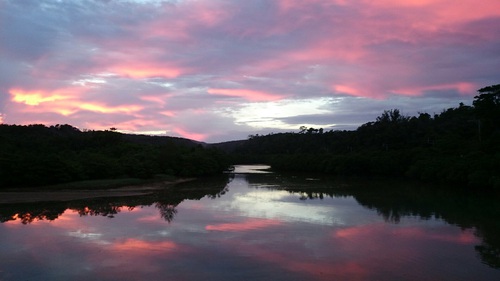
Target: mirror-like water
[261, 226]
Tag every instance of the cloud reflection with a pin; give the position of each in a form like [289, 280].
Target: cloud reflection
[248, 225]
[137, 246]
[280, 205]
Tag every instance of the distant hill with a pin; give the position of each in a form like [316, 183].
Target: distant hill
[228, 146]
[160, 140]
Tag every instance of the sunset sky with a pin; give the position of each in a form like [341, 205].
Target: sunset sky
[219, 70]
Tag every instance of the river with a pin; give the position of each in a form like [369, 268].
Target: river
[257, 225]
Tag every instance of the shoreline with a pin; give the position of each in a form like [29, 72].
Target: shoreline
[15, 196]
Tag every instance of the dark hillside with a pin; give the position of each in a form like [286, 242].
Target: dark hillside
[159, 140]
[229, 146]
[36, 155]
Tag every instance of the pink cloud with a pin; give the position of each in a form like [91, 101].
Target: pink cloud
[190, 135]
[169, 28]
[140, 55]
[167, 113]
[249, 95]
[264, 67]
[102, 108]
[464, 88]
[445, 11]
[157, 99]
[207, 13]
[324, 50]
[37, 97]
[182, 20]
[64, 101]
[138, 70]
[350, 90]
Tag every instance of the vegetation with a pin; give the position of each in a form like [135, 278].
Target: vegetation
[459, 146]
[37, 155]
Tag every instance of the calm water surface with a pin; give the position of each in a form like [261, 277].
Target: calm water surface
[256, 226]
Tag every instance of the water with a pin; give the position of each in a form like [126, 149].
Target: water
[263, 226]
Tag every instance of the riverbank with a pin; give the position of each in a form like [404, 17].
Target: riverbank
[68, 192]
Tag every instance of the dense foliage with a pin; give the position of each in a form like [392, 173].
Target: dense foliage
[458, 146]
[37, 155]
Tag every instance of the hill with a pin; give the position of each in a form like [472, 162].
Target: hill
[36, 155]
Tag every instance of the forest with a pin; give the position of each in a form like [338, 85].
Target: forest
[37, 155]
[459, 146]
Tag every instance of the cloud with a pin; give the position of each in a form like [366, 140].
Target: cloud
[249, 95]
[184, 66]
[35, 97]
[64, 102]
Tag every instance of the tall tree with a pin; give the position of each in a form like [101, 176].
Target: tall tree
[487, 108]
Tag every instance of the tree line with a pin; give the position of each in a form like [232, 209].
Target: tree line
[36, 155]
[459, 146]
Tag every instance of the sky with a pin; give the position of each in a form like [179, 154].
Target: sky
[221, 70]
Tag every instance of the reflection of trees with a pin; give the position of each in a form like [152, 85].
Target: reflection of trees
[394, 200]
[462, 208]
[490, 255]
[308, 187]
[165, 201]
[28, 213]
[106, 210]
[166, 211]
